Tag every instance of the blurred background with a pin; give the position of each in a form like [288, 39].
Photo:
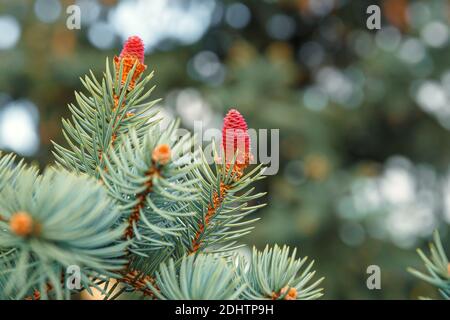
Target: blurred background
[364, 115]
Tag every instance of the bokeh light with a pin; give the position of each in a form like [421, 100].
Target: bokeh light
[47, 11]
[238, 15]
[90, 9]
[281, 27]
[10, 32]
[100, 35]
[388, 38]
[159, 20]
[435, 34]
[18, 127]
[206, 66]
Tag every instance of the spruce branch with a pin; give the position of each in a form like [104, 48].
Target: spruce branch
[152, 191]
[9, 169]
[437, 266]
[226, 192]
[222, 208]
[54, 221]
[106, 113]
[138, 281]
[199, 277]
[135, 208]
[276, 274]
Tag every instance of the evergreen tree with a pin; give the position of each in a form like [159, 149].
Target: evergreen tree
[135, 208]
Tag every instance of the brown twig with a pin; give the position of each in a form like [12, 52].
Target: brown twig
[237, 173]
[136, 211]
[212, 208]
[139, 282]
[113, 135]
[129, 276]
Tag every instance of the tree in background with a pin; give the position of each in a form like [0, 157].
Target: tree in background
[362, 114]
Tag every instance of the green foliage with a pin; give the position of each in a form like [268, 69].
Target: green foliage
[96, 122]
[8, 169]
[209, 276]
[228, 221]
[76, 226]
[274, 271]
[158, 194]
[199, 277]
[115, 210]
[437, 266]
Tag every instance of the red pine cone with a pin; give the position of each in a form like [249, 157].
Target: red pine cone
[133, 47]
[235, 134]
